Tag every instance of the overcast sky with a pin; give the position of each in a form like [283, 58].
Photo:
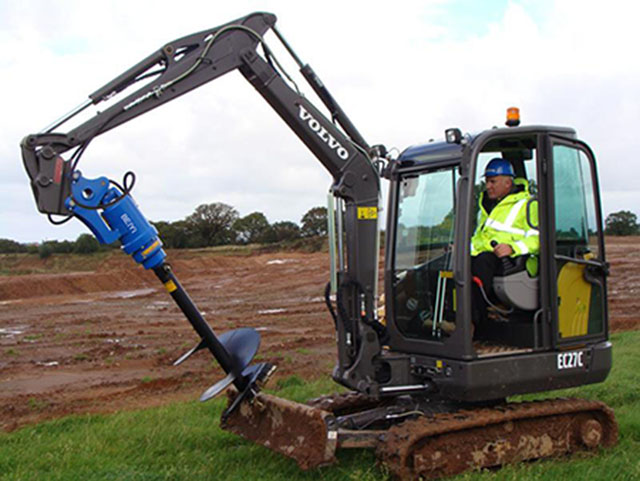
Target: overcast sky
[403, 71]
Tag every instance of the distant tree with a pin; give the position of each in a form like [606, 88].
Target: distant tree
[8, 246]
[61, 247]
[253, 228]
[66, 246]
[212, 224]
[285, 231]
[86, 244]
[175, 235]
[623, 222]
[314, 222]
[45, 250]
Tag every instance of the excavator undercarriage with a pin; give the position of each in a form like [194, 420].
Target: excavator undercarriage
[423, 438]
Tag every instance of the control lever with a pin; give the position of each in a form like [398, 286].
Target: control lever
[507, 262]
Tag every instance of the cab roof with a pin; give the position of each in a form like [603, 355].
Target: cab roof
[437, 152]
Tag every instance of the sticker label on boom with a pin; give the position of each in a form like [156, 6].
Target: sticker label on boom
[365, 213]
[571, 360]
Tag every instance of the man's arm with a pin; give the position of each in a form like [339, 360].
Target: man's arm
[530, 241]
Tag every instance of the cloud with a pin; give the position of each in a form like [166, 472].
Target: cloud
[403, 73]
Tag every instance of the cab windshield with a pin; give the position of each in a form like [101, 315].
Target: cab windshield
[422, 283]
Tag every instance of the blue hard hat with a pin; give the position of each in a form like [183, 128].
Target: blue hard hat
[499, 166]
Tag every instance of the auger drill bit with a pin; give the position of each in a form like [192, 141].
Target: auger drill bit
[112, 215]
[234, 350]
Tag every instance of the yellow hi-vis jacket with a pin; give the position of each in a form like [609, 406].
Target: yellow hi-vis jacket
[507, 224]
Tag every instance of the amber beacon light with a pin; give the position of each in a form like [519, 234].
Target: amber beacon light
[513, 117]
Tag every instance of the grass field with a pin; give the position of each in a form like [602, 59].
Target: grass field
[184, 442]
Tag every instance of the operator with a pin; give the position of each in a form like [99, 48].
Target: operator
[503, 231]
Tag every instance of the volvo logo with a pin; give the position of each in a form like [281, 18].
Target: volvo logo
[321, 132]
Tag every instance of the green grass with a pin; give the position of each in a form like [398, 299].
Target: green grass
[184, 442]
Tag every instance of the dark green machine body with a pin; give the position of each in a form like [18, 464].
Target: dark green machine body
[432, 212]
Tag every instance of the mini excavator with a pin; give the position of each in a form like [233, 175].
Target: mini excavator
[430, 400]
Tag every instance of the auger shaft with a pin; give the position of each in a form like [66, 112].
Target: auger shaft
[199, 324]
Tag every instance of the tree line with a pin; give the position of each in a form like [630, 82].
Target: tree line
[220, 224]
[209, 225]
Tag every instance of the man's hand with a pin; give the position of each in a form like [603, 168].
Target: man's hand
[503, 250]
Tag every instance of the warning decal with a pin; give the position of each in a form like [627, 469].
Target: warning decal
[365, 213]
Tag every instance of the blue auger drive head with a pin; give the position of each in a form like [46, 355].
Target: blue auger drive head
[112, 215]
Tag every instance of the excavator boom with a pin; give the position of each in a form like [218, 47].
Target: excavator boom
[190, 62]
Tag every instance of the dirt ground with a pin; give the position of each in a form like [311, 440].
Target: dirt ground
[105, 340]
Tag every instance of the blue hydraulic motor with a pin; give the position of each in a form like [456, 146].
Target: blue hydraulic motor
[112, 215]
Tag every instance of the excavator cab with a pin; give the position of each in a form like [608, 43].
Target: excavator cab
[544, 306]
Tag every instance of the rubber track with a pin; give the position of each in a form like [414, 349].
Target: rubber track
[448, 444]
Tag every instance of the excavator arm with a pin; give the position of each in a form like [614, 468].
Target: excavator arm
[189, 62]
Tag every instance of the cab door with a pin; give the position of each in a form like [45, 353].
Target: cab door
[577, 263]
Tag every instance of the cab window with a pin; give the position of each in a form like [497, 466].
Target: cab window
[423, 289]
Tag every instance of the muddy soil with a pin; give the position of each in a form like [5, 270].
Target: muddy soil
[105, 340]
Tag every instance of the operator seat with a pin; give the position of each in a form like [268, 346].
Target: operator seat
[515, 287]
